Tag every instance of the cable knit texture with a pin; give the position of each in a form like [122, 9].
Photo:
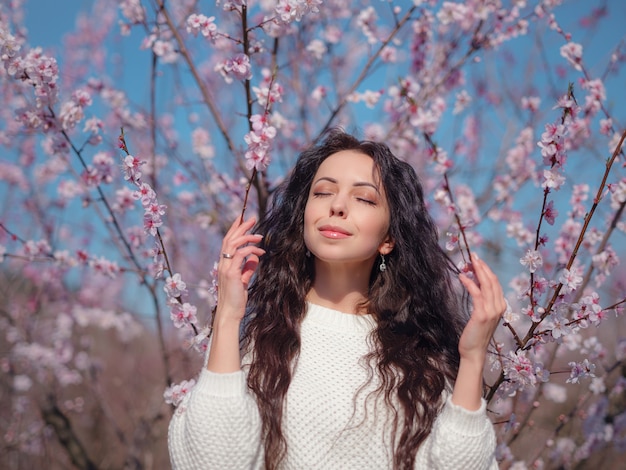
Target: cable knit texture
[217, 426]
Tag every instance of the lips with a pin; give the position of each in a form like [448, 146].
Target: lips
[334, 232]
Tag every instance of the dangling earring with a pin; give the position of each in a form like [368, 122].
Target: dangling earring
[382, 266]
[308, 253]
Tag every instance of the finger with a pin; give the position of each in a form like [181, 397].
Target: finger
[471, 287]
[490, 287]
[234, 264]
[236, 223]
[249, 267]
[239, 227]
[236, 231]
[232, 247]
[489, 284]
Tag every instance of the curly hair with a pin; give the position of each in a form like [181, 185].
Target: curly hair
[419, 316]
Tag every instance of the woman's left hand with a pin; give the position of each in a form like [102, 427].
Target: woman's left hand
[489, 305]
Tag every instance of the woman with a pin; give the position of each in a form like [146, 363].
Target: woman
[356, 353]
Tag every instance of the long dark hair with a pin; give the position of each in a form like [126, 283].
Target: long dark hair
[419, 319]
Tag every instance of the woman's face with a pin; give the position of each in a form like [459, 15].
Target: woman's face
[346, 219]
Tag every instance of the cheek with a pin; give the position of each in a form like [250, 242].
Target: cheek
[308, 223]
[383, 229]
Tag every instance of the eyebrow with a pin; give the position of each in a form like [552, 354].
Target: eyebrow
[357, 184]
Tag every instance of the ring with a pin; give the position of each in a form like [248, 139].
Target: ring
[227, 255]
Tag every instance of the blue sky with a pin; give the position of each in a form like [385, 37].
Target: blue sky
[49, 21]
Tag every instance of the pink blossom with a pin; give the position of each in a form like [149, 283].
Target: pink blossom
[201, 143]
[618, 193]
[605, 126]
[332, 34]
[200, 342]
[452, 12]
[588, 311]
[369, 97]
[580, 193]
[521, 371]
[605, 261]
[452, 241]
[124, 200]
[145, 193]
[131, 168]
[135, 236]
[552, 145]
[259, 142]
[182, 315]
[133, 11]
[175, 286]
[593, 348]
[38, 71]
[597, 385]
[540, 285]
[166, 50]
[573, 53]
[463, 99]
[442, 162]
[174, 394]
[271, 93]
[151, 225]
[529, 312]
[290, 10]
[33, 249]
[203, 24]
[557, 324]
[9, 46]
[555, 393]
[13, 175]
[532, 259]
[22, 383]
[367, 22]
[317, 49]
[63, 258]
[552, 179]
[238, 67]
[155, 210]
[319, 93]
[103, 266]
[580, 370]
[69, 189]
[550, 213]
[467, 209]
[516, 229]
[531, 103]
[389, 54]
[596, 95]
[571, 280]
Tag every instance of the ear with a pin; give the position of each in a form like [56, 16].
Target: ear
[386, 246]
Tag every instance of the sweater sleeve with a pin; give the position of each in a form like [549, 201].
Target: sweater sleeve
[462, 439]
[216, 426]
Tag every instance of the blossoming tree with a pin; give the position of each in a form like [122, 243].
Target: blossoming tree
[115, 198]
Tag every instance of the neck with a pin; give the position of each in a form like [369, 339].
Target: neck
[340, 287]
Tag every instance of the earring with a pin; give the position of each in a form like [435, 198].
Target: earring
[382, 266]
[308, 253]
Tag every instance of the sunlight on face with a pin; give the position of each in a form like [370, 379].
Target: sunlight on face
[346, 219]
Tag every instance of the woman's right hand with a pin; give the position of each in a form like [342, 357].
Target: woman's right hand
[239, 258]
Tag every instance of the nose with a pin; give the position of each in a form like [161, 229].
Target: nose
[338, 207]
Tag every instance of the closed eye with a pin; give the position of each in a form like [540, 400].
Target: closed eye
[367, 201]
[320, 194]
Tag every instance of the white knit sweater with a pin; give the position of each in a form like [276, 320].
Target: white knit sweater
[217, 426]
